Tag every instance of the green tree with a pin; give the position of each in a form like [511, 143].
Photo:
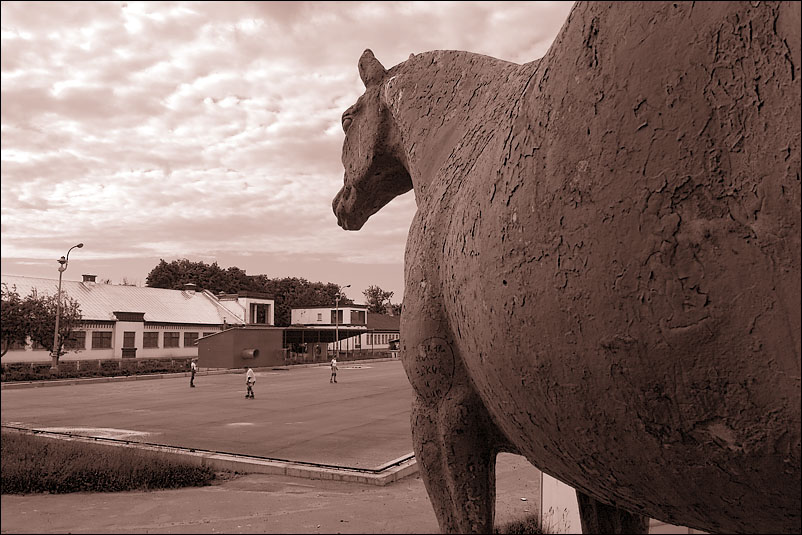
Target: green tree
[174, 275]
[12, 320]
[41, 312]
[378, 300]
[34, 317]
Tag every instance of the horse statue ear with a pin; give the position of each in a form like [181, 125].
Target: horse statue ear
[370, 69]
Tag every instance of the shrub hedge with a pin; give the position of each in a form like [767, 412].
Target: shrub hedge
[69, 369]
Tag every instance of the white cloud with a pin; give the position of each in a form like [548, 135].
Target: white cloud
[151, 129]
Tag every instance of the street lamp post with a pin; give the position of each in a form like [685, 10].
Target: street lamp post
[337, 298]
[61, 269]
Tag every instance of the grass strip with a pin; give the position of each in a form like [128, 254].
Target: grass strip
[39, 464]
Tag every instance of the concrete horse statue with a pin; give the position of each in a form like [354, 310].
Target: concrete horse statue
[603, 273]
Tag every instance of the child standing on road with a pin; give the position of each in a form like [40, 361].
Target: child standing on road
[193, 369]
[250, 379]
[333, 370]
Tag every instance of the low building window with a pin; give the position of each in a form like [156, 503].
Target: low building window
[77, 340]
[150, 339]
[101, 339]
[190, 339]
[260, 313]
[129, 339]
[358, 317]
[171, 339]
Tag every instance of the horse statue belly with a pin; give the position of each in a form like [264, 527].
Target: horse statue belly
[603, 274]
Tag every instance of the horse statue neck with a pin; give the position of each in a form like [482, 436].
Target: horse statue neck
[447, 104]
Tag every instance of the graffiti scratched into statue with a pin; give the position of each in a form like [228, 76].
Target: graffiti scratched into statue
[603, 273]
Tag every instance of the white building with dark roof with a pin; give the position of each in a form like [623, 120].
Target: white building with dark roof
[121, 321]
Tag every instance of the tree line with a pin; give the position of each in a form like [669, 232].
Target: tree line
[287, 292]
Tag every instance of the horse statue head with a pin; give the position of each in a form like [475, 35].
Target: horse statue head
[373, 157]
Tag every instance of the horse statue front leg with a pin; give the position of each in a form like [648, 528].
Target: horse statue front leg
[454, 439]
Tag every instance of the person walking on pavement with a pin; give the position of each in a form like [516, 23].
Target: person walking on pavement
[193, 369]
[333, 370]
[250, 379]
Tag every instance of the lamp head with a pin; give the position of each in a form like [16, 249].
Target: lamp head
[80, 245]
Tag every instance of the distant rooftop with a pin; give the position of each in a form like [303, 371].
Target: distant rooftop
[383, 322]
[245, 293]
[328, 306]
[99, 302]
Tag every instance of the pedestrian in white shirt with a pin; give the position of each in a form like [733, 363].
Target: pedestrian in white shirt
[333, 370]
[193, 368]
[250, 380]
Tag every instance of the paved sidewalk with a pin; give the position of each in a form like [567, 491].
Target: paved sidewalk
[261, 504]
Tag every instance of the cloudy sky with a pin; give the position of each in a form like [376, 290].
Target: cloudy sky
[211, 130]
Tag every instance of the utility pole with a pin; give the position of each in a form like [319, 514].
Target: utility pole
[337, 298]
[56, 345]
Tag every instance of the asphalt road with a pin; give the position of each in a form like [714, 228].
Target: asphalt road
[362, 421]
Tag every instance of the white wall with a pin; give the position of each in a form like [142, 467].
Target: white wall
[308, 316]
[559, 510]
[120, 328]
[245, 303]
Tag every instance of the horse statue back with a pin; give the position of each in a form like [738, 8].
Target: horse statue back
[603, 273]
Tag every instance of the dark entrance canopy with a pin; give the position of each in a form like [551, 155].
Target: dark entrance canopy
[325, 335]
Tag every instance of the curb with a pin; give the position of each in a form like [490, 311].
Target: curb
[383, 475]
[113, 379]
